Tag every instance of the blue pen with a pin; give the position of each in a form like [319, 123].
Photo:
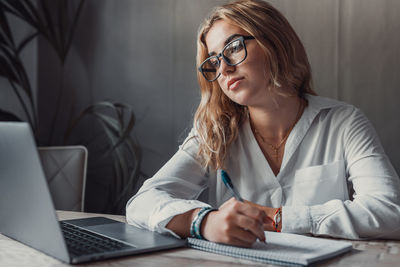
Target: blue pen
[228, 183]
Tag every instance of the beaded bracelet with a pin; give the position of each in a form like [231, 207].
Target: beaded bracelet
[195, 227]
[192, 226]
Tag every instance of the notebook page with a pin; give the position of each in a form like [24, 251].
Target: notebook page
[303, 248]
[244, 253]
[281, 248]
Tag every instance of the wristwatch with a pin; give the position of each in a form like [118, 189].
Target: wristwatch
[277, 219]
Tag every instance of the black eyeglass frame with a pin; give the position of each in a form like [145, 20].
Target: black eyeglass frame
[221, 54]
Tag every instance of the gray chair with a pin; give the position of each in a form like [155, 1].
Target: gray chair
[65, 170]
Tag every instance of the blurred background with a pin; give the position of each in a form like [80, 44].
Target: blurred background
[142, 54]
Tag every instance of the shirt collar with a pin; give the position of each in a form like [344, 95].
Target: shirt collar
[315, 105]
[318, 103]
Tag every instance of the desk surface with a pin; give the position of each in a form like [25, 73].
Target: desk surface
[365, 253]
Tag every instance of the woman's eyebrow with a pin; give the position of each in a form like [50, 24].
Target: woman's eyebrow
[230, 38]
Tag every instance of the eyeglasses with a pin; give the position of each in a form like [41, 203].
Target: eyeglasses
[233, 53]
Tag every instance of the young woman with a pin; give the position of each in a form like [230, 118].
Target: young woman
[304, 164]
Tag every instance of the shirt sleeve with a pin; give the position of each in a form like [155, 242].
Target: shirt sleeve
[171, 191]
[374, 209]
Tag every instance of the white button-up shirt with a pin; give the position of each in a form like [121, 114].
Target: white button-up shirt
[335, 178]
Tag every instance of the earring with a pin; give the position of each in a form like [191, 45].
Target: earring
[277, 84]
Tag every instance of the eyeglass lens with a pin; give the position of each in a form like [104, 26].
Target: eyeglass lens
[233, 54]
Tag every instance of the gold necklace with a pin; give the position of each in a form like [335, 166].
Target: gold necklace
[276, 148]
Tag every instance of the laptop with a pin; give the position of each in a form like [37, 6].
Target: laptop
[27, 212]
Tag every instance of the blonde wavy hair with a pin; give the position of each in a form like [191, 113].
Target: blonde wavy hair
[218, 119]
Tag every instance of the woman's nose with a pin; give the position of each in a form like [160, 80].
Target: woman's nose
[226, 69]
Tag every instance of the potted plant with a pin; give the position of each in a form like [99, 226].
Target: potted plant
[56, 22]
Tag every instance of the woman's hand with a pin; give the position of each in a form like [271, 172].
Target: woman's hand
[235, 223]
[269, 219]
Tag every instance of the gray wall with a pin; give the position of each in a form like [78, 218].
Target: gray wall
[137, 52]
[354, 49]
[143, 53]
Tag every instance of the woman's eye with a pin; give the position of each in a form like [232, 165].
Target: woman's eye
[234, 47]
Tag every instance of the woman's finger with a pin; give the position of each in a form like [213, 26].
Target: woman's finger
[250, 225]
[249, 210]
[241, 237]
[244, 216]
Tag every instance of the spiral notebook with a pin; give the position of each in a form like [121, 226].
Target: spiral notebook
[281, 249]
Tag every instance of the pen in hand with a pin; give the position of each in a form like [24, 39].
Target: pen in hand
[228, 183]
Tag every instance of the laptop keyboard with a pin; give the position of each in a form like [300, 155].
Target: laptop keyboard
[82, 242]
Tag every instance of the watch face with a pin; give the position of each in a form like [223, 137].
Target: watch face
[278, 216]
[277, 219]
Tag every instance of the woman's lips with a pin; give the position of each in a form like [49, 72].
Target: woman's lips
[234, 83]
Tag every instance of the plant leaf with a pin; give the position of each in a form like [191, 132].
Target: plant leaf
[16, 67]
[20, 10]
[51, 33]
[72, 30]
[120, 114]
[26, 41]
[116, 122]
[5, 28]
[10, 65]
[35, 14]
[6, 69]
[61, 26]
[93, 109]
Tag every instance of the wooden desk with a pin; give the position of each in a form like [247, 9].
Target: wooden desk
[364, 254]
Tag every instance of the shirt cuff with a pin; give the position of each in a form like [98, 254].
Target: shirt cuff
[296, 219]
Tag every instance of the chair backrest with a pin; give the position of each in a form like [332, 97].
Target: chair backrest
[65, 170]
